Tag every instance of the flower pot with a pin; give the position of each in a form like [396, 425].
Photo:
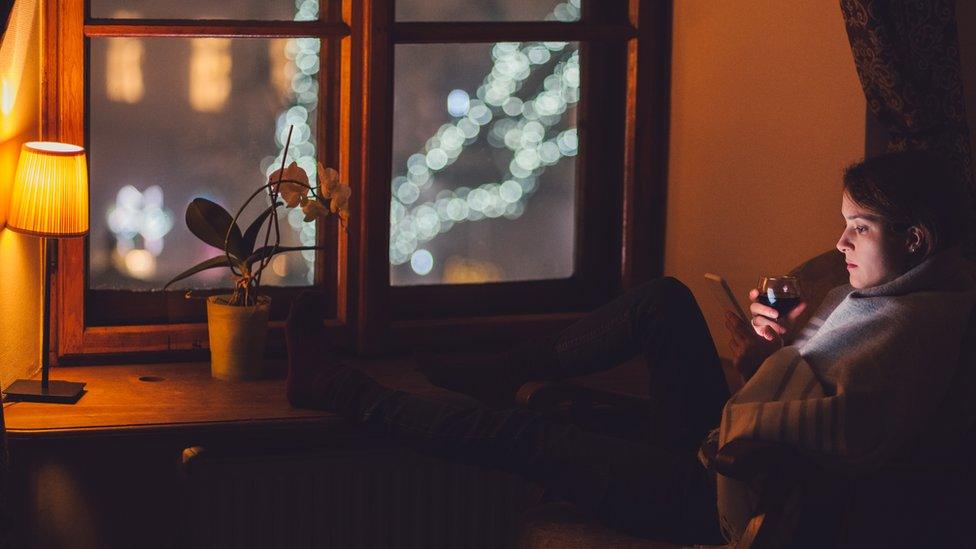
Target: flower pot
[237, 336]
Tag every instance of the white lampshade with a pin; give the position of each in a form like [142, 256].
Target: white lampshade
[50, 194]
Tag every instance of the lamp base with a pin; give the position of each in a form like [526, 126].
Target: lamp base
[30, 390]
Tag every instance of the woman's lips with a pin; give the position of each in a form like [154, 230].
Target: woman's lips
[851, 265]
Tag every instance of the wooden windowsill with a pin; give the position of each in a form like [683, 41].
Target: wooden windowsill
[184, 396]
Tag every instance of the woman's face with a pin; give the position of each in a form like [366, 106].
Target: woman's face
[874, 254]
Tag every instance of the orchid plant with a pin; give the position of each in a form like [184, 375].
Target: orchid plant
[289, 187]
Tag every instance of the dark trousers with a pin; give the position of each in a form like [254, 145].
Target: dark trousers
[653, 489]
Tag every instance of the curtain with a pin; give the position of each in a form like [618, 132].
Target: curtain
[907, 57]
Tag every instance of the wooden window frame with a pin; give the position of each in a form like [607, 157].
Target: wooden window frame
[369, 315]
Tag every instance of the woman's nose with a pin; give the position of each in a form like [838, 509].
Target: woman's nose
[843, 244]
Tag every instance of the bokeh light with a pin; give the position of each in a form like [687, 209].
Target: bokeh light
[458, 103]
[139, 222]
[421, 262]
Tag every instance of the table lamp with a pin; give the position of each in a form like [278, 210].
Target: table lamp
[49, 200]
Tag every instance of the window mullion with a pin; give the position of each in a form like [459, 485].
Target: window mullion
[215, 29]
[465, 32]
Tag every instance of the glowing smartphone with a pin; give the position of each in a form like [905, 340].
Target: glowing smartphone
[720, 288]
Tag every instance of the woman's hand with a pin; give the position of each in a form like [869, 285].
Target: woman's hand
[766, 321]
[749, 347]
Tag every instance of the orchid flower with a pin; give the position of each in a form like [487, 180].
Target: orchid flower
[294, 184]
[340, 199]
[328, 181]
[332, 188]
[313, 209]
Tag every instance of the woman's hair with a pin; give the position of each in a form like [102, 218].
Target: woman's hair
[912, 188]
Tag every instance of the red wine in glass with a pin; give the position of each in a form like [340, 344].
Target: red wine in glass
[779, 292]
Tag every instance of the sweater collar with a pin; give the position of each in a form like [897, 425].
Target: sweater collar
[946, 270]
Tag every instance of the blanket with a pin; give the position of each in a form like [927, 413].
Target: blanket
[865, 382]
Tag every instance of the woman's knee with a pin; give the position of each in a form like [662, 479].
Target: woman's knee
[663, 296]
[665, 288]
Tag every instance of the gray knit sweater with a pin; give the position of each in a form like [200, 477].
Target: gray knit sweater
[858, 386]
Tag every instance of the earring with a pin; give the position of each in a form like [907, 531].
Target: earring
[913, 249]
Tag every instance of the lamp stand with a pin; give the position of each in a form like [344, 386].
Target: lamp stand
[45, 390]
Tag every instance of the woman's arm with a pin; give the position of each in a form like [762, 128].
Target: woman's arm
[749, 348]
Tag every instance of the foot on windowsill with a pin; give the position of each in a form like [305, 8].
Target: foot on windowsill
[311, 362]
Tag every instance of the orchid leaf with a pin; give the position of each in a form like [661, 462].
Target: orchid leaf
[269, 251]
[210, 223]
[212, 263]
[251, 234]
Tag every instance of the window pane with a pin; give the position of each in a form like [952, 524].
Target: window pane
[172, 119]
[269, 10]
[484, 178]
[497, 10]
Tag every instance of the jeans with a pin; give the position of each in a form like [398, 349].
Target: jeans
[656, 489]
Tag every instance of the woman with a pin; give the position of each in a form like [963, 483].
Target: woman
[853, 385]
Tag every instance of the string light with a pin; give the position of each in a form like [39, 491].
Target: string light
[521, 126]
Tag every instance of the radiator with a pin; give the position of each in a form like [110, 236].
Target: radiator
[348, 500]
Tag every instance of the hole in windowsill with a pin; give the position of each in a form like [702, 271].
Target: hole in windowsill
[151, 378]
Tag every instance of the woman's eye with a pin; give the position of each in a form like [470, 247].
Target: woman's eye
[861, 229]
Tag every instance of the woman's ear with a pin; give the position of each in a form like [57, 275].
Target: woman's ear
[915, 241]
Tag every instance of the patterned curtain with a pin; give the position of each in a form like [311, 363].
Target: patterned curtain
[907, 57]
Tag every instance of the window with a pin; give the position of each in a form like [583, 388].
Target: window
[170, 110]
[492, 149]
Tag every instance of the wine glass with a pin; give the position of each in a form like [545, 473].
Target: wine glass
[780, 292]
